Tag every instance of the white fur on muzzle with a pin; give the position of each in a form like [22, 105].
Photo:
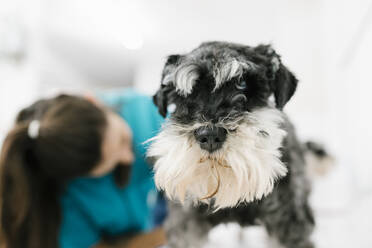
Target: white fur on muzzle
[250, 154]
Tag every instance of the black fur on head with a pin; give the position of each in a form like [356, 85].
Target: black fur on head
[220, 78]
[227, 144]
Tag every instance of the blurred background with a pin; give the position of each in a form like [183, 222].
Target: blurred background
[48, 46]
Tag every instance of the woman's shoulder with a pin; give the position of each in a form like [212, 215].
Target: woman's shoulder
[91, 194]
[137, 109]
[96, 200]
[100, 204]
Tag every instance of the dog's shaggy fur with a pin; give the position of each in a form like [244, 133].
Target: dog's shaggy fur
[256, 175]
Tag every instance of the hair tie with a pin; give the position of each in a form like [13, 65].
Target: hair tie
[33, 129]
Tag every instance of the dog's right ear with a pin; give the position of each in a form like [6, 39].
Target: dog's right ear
[161, 97]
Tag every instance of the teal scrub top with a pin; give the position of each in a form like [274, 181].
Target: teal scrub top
[96, 207]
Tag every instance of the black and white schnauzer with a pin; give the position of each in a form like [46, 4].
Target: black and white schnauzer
[227, 152]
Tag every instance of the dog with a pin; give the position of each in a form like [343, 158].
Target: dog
[227, 151]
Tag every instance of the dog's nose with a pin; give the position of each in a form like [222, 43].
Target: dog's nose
[210, 138]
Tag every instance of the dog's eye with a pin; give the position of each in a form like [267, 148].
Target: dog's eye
[241, 85]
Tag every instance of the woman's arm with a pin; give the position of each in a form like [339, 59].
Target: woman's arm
[152, 239]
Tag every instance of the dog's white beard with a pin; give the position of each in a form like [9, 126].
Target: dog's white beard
[251, 154]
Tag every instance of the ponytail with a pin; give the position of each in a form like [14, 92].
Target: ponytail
[27, 199]
[37, 159]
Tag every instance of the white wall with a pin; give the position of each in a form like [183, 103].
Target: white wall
[19, 79]
[80, 45]
[84, 45]
[348, 82]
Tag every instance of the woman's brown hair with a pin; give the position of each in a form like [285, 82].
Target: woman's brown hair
[33, 170]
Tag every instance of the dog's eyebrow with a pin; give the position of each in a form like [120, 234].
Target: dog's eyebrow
[184, 78]
[230, 69]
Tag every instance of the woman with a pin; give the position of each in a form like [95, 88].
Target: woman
[63, 168]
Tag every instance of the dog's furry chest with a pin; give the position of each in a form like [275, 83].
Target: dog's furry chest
[294, 184]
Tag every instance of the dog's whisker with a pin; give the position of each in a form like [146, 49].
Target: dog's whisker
[219, 161]
[218, 177]
[202, 160]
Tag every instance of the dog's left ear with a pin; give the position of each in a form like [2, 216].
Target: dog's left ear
[161, 97]
[283, 82]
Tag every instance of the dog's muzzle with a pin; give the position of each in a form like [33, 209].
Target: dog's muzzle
[210, 138]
